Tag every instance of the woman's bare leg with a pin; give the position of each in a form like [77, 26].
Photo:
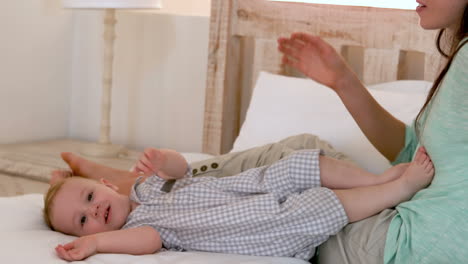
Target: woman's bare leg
[363, 202]
[58, 175]
[88, 169]
[337, 174]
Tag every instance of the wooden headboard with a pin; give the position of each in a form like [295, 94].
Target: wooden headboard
[379, 44]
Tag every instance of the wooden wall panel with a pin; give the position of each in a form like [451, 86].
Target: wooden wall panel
[380, 65]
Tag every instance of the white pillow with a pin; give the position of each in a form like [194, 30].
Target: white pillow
[404, 86]
[284, 106]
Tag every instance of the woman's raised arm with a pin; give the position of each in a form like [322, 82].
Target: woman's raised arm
[319, 61]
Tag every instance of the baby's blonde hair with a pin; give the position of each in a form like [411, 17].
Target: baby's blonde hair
[49, 200]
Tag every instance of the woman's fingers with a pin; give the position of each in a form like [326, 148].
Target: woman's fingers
[291, 54]
[302, 36]
[290, 62]
[299, 40]
[291, 48]
[305, 38]
[300, 51]
[315, 41]
[297, 44]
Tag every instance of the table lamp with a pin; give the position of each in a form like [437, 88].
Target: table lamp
[104, 147]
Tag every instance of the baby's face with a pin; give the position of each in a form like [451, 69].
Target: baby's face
[83, 207]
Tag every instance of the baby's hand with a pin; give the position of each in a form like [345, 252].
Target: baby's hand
[151, 162]
[78, 249]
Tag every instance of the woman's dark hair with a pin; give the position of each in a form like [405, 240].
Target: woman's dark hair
[454, 48]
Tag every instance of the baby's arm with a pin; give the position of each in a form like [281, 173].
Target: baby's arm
[135, 241]
[166, 163]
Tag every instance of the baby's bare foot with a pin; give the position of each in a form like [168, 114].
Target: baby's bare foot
[420, 172]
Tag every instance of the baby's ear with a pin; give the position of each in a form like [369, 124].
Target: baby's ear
[109, 184]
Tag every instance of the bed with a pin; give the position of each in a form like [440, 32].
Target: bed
[251, 99]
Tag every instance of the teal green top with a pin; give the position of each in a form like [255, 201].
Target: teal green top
[433, 226]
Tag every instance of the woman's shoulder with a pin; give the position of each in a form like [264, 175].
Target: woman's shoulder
[460, 61]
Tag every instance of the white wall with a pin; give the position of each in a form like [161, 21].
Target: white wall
[186, 7]
[399, 4]
[50, 63]
[35, 48]
[159, 79]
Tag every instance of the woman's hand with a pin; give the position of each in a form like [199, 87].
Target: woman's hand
[316, 59]
[320, 62]
[78, 249]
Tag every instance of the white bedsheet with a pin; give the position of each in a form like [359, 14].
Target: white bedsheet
[25, 238]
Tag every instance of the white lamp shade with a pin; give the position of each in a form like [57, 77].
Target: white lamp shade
[124, 4]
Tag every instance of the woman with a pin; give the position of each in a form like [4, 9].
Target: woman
[432, 227]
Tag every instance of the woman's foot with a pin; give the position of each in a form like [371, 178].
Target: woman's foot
[58, 175]
[420, 172]
[88, 169]
[392, 173]
[75, 163]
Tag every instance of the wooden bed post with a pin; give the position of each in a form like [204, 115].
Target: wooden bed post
[222, 95]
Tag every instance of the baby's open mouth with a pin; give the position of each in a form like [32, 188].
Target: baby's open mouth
[106, 214]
